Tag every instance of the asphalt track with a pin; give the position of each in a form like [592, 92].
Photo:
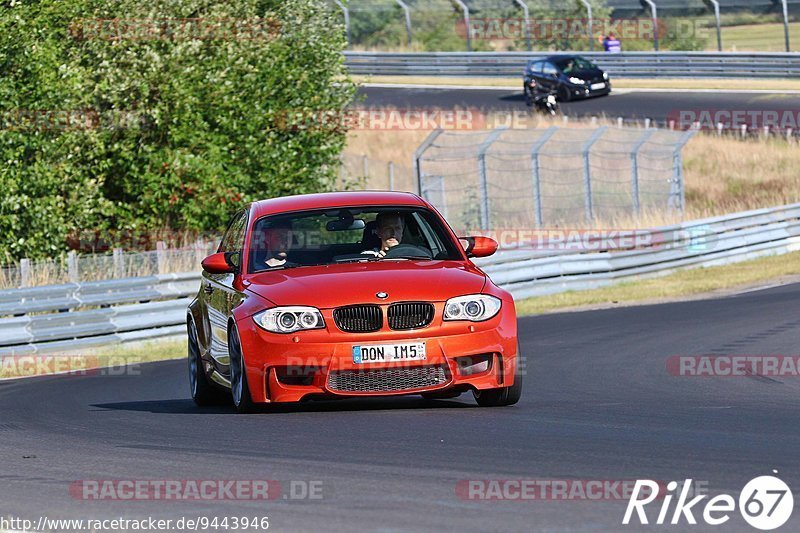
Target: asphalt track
[599, 405]
[630, 105]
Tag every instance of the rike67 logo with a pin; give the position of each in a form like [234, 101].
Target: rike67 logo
[766, 503]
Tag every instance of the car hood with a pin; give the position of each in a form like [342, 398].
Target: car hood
[328, 286]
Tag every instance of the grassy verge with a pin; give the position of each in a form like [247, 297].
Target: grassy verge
[112, 360]
[681, 285]
[759, 37]
[619, 83]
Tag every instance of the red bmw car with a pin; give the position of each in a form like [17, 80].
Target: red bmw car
[349, 294]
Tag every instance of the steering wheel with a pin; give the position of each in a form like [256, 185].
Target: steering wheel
[408, 250]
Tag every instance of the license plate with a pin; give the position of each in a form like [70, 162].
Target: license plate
[388, 353]
[597, 86]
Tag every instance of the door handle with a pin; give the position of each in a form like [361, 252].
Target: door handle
[208, 288]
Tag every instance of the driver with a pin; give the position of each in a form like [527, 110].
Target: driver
[278, 240]
[390, 230]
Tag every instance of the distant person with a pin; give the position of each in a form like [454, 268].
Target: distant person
[612, 44]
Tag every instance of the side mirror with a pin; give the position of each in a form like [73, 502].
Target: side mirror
[222, 263]
[479, 246]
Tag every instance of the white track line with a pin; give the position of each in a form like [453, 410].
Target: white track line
[507, 88]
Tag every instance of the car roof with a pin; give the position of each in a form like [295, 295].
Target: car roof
[301, 202]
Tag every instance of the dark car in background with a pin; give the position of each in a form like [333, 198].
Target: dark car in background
[569, 76]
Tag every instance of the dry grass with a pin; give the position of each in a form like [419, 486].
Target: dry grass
[681, 285]
[780, 85]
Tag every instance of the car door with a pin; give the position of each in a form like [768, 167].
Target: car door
[219, 293]
[549, 77]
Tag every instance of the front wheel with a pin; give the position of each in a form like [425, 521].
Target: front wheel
[501, 396]
[240, 390]
[203, 392]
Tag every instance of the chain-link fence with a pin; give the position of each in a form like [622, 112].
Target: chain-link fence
[641, 25]
[524, 178]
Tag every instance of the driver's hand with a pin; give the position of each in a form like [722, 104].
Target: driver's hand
[383, 251]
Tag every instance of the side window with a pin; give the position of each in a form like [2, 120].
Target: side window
[536, 67]
[549, 69]
[233, 240]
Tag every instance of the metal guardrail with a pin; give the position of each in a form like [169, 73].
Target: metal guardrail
[51, 319]
[622, 65]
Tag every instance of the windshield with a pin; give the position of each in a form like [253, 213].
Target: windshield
[573, 64]
[343, 235]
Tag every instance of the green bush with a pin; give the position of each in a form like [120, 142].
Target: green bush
[175, 131]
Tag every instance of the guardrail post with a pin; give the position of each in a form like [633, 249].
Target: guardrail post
[25, 272]
[587, 173]
[591, 24]
[715, 3]
[391, 175]
[119, 263]
[535, 172]
[786, 24]
[420, 152]
[346, 14]
[407, 13]
[72, 267]
[161, 257]
[654, 11]
[483, 181]
[635, 169]
[465, 10]
[677, 196]
[526, 15]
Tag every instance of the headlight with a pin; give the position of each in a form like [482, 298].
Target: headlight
[576, 81]
[475, 307]
[605, 75]
[289, 319]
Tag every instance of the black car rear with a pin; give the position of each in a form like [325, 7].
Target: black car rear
[569, 76]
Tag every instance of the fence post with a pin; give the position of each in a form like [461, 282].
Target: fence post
[654, 11]
[678, 189]
[200, 248]
[407, 13]
[715, 3]
[419, 152]
[587, 173]
[391, 175]
[161, 257]
[119, 263]
[25, 272]
[527, 16]
[346, 14]
[786, 24]
[537, 188]
[465, 10]
[72, 267]
[483, 180]
[635, 169]
[591, 24]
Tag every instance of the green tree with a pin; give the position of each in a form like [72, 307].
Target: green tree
[184, 120]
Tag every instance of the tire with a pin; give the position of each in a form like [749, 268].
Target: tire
[502, 396]
[203, 392]
[563, 94]
[240, 390]
[528, 96]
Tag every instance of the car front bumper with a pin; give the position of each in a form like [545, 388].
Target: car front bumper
[319, 363]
